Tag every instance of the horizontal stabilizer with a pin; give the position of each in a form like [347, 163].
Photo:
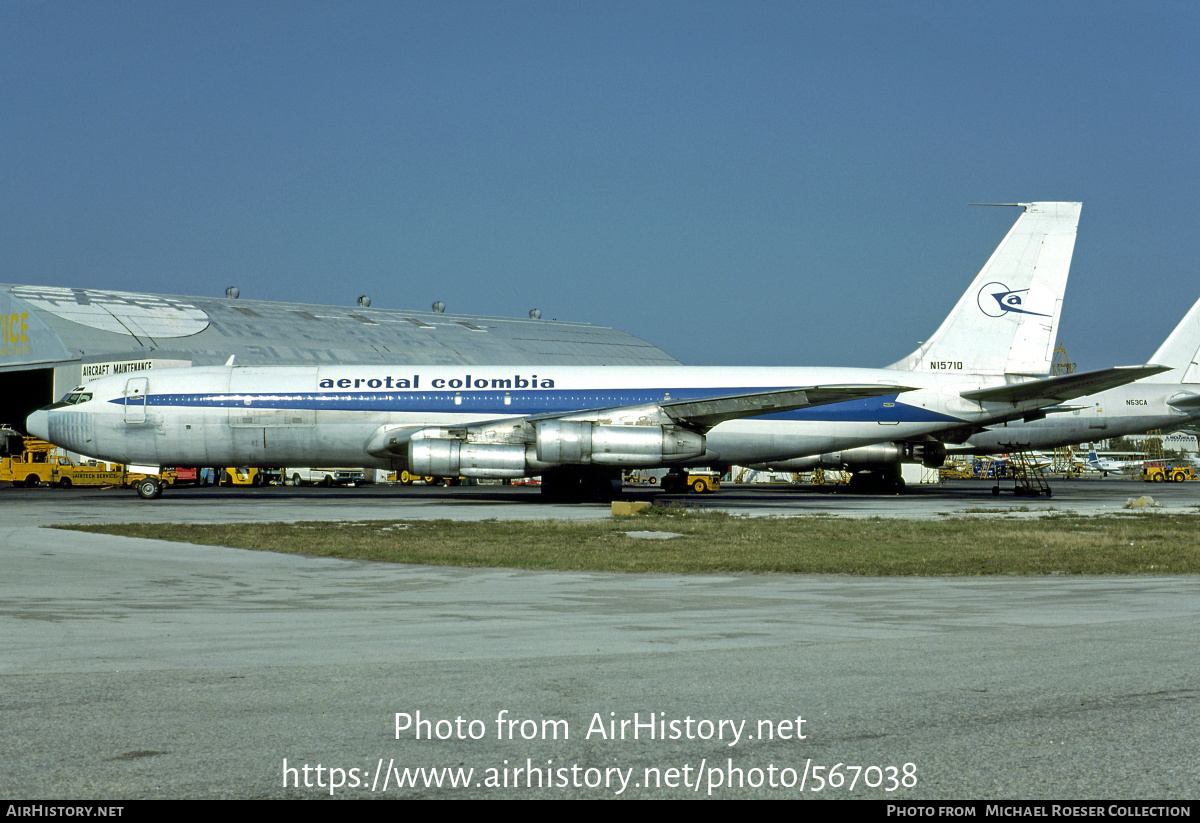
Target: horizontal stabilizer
[708, 412]
[1064, 387]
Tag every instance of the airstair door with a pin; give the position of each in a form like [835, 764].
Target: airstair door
[136, 389]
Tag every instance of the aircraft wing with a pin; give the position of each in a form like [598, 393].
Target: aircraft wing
[1059, 388]
[707, 412]
[699, 414]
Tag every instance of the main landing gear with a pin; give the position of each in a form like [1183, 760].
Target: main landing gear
[581, 485]
[877, 482]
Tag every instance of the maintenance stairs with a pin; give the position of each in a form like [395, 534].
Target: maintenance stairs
[1028, 478]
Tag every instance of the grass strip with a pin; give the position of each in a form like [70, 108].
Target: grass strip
[1156, 543]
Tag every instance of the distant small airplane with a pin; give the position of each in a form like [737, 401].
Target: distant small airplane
[1105, 465]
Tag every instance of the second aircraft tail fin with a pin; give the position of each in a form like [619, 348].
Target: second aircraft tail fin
[1007, 321]
[1181, 350]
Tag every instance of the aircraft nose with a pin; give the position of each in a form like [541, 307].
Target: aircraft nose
[38, 424]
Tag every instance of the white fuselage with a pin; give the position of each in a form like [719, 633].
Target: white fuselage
[271, 416]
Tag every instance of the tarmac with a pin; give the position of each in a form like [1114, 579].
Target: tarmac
[147, 669]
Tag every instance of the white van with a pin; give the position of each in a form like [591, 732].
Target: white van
[325, 477]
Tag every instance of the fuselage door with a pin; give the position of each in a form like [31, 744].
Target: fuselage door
[135, 399]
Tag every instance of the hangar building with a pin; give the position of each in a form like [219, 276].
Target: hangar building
[53, 339]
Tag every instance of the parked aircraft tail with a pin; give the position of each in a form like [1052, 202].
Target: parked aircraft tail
[1007, 321]
[1181, 350]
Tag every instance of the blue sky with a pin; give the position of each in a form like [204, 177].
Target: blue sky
[758, 183]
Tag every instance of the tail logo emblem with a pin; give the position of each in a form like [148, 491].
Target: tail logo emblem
[997, 300]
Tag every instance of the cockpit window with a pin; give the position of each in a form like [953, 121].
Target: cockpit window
[76, 396]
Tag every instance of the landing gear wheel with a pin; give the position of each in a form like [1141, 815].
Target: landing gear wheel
[580, 486]
[150, 489]
[601, 488]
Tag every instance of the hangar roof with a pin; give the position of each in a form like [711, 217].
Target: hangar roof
[45, 325]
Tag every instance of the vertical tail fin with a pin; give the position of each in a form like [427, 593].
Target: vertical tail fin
[1007, 321]
[1181, 350]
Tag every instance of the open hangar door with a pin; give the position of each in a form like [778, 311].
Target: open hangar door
[22, 392]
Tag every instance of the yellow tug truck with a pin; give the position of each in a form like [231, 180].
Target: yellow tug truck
[1160, 471]
[29, 462]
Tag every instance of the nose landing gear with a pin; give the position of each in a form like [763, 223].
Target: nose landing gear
[150, 489]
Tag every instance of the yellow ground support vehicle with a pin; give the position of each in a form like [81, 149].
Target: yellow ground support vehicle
[1159, 472]
[246, 476]
[697, 482]
[406, 479]
[31, 466]
[41, 462]
[957, 470]
[36, 465]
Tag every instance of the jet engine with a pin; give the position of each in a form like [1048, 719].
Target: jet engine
[865, 458]
[443, 457]
[555, 443]
[570, 442]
